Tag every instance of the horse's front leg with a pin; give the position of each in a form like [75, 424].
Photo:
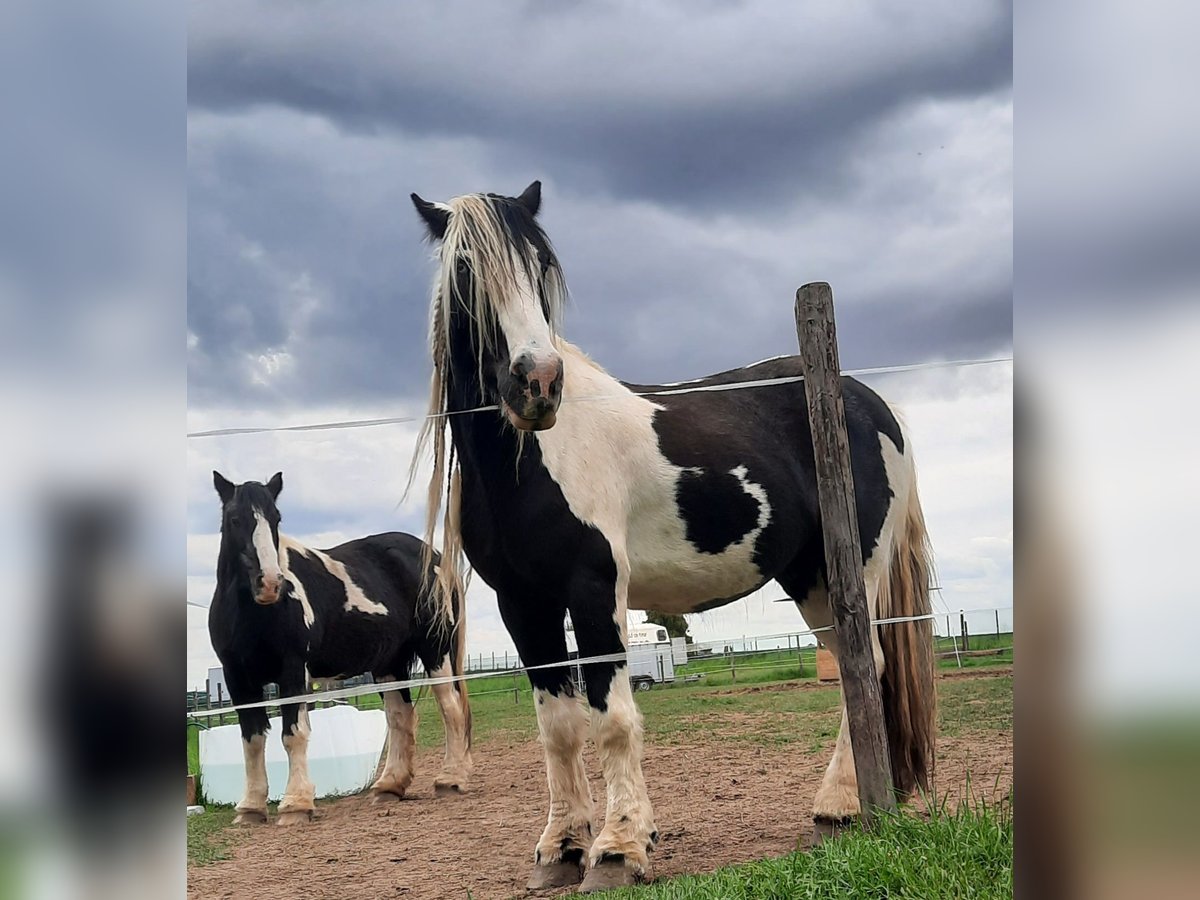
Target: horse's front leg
[297, 805]
[620, 854]
[561, 852]
[252, 810]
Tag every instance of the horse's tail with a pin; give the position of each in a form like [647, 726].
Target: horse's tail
[459, 663]
[909, 701]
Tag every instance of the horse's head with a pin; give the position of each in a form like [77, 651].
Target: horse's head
[250, 533]
[499, 283]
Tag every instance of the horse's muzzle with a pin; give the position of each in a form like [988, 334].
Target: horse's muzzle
[535, 415]
[538, 387]
[268, 591]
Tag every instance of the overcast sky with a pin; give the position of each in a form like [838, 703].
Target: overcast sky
[699, 162]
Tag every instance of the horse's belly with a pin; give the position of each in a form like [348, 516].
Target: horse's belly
[680, 579]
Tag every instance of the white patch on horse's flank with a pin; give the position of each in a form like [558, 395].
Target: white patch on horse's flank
[759, 493]
[286, 547]
[355, 598]
[623, 486]
[264, 546]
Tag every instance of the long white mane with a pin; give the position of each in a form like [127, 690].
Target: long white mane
[502, 246]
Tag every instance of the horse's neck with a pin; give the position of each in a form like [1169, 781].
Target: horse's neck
[583, 377]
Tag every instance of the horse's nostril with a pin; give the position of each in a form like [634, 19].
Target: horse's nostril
[522, 365]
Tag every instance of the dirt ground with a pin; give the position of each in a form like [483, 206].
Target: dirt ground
[716, 803]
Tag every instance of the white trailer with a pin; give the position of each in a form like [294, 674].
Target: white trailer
[651, 664]
[650, 654]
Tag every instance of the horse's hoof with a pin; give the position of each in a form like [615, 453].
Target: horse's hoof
[295, 817]
[555, 875]
[609, 874]
[448, 789]
[250, 817]
[825, 828]
[386, 797]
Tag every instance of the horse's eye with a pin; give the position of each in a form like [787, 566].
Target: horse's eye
[235, 521]
[461, 267]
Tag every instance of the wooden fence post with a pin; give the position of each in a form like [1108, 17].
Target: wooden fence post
[966, 635]
[843, 552]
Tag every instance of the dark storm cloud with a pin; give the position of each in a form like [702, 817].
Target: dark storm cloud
[704, 108]
[699, 166]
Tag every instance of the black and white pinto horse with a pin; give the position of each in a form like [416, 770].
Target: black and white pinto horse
[283, 612]
[585, 496]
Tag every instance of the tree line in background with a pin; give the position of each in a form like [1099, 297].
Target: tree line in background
[676, 625]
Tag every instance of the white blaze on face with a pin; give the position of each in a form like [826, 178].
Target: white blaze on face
[268, 559]
[523, 322]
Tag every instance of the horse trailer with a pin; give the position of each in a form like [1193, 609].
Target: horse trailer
[651, 655]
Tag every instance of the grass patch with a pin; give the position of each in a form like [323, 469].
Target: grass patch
[964, 854]
[209, 835]
[975, 704]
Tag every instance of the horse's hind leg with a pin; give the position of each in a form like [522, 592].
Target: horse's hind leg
[452, 702]
[397, 772]
[836, 801]
[298, 797]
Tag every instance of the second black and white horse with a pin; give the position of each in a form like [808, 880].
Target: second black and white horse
[585, 495]
[283, 612]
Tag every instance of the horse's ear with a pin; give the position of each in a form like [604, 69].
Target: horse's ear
[224, 486]
[436, 217]
[275, 485]
[531, 198]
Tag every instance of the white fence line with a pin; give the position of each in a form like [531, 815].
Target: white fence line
[661, 392]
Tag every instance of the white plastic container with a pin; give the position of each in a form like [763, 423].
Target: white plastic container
[343, 751]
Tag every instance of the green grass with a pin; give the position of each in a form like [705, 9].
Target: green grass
[964, 854]
[975, 704]
[209, 835]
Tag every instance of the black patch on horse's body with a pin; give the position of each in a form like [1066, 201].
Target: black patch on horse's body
[766, 431]
[715, 508]
[260, 645]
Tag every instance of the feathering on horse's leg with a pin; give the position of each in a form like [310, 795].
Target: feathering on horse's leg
[298, 796]
[397, 772]
[620, 854]
[252, 810]
[561, 851]
[452, 702]
[537, 629]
